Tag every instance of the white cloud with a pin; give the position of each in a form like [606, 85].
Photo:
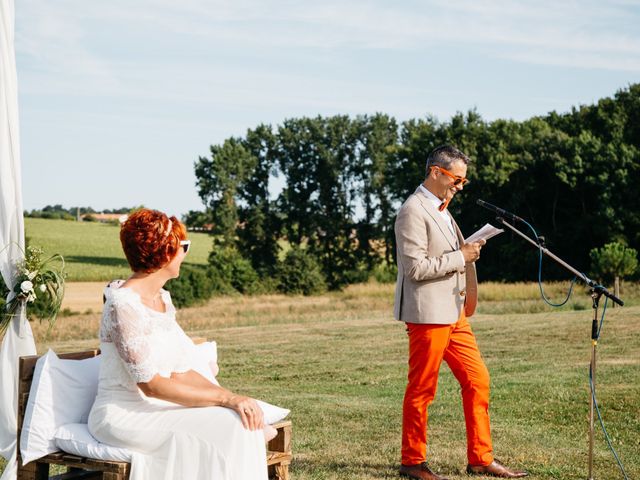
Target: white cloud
[563, 28]
[77, 49]
[55, 47]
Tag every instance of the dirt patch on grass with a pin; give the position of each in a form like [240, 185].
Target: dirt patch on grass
[83, 296]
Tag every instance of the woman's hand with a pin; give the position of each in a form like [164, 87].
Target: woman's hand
[193, 390]
[250, 412]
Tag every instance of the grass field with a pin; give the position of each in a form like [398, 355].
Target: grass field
[338, 362]
[92, 250]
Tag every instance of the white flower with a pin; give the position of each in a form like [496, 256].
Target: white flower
[26, 286]
[31, 275]
[43, 288]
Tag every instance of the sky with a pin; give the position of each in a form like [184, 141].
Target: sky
[118, 99]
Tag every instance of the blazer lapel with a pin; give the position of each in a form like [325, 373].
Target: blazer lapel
[435, 215]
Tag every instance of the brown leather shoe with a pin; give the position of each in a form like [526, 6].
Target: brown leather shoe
[420, 472]
[495, 469]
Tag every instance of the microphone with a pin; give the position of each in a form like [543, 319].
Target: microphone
[499, 211]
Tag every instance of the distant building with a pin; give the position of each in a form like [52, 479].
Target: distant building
[207, 228]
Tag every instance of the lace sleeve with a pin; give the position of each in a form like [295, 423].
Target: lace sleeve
[130, 334]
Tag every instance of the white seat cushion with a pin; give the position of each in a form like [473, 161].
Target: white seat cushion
[75, 438]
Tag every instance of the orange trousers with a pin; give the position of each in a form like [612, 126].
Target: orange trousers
[429, 344]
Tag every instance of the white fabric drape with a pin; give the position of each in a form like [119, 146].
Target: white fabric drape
[18, 339]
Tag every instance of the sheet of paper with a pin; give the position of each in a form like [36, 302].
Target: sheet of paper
[485, 233]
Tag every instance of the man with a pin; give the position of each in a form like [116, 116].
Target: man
[436, 291]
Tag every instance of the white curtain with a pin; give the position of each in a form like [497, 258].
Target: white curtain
[18, 339]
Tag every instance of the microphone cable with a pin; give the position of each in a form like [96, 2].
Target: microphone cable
[546, 299]
[591, 386]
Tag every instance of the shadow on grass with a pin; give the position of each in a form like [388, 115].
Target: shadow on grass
[345, 469]
[104, 261]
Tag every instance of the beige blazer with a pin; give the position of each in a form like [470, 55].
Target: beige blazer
[434, 284]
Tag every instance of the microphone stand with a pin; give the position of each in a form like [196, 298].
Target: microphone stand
[596, 293]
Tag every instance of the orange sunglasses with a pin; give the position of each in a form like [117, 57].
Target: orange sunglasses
[456, 179]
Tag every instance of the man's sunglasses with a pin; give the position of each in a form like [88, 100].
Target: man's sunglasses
[185, 244]
[456, 179]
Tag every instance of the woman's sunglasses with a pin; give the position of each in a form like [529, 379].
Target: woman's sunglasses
[185, 244]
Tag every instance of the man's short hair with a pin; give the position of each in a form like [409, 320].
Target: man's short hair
[445, 156]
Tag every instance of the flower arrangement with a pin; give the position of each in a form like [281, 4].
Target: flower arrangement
[38, 283]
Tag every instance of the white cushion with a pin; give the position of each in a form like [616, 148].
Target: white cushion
[75, 438]
[205, 361]
[272, 414]
[62, 391]
[62, 394]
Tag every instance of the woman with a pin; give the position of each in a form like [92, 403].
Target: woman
[148, 392]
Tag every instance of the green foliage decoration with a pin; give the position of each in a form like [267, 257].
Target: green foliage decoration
[38, 286]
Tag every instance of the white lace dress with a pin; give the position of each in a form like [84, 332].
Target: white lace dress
[168, 441]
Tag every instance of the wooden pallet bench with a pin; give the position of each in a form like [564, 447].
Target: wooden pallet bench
[279, 454]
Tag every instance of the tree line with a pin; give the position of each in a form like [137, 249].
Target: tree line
[331, 186]
[58, 212]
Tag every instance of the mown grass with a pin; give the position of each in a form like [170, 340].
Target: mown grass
[92, 250]
[338, 361]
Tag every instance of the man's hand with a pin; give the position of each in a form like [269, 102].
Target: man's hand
[471, 251]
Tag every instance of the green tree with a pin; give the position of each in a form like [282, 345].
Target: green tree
[219, 179]
[614, 262]
[259, 227]
[197, 218]
[300, 273]
[373, 171]
[573, 175]
[230, 270]
[317, 160]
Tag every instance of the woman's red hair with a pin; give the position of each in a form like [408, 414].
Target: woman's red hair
[150, 239]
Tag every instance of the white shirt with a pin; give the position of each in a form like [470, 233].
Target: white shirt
[436, 203]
